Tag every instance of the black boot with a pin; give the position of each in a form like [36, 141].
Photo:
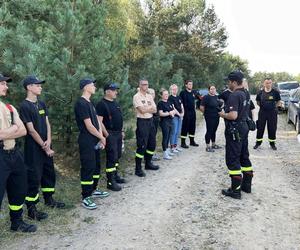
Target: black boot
[119, 179]
[257, 144]
[34, 214]
[183, 144]
[20, 226]
[193, 143]
[273, 146]
[235, 190]
[111, 182]
[247, 181]
[50, 202]
[138, 168]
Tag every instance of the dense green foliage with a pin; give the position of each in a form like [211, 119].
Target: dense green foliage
[112, 40]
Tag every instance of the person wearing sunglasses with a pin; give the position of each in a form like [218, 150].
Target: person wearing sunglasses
[145, 107]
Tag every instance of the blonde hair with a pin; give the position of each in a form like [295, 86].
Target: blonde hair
[171, 87]
[162, 91]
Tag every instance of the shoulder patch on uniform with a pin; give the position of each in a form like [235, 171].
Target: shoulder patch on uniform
[42, 111]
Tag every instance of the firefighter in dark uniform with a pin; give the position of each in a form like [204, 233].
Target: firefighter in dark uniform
[90, 141]
[37, 149]
[236, 135]
[13, 176]
[268, 99]
[145, 129]
[189, 118]
[111, 118]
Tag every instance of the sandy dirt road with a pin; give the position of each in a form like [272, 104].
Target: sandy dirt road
[181, 206]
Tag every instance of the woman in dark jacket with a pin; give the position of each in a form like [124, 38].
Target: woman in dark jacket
[210, 106]
[166, 112]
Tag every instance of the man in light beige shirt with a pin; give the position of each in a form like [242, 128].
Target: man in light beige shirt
[13, 177]
[145, 129]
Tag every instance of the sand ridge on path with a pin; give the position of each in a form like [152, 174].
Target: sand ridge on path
[181, 206]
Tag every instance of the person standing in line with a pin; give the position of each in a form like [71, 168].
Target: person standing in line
[145, 129]
[176, 101]
[236, 136]
[251, 104]
[166, 113]
[211, 106]
[151, 91]
[37, 149]
[90, 141]
[189, 118]
[268, 100]
[13, 176]
[110, 115]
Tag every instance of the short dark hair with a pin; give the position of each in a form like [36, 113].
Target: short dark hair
[209, 86]
[187, 81]
[267, 78]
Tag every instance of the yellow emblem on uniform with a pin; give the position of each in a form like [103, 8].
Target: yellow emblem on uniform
[270, 97]
[42, 112]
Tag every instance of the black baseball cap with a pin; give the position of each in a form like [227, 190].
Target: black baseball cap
[32, 80]
[5, 78]
[86, 81]
[111, 86]
[235, 76]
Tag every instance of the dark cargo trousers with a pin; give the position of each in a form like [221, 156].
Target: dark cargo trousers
[13, 179]
[90, 164]
[145, 139]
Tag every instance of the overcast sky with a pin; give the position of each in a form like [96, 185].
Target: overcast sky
[264, 32]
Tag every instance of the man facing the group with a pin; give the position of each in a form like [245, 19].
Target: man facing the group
[236, 136]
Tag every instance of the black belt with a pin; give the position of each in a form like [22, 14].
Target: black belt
[144, 119]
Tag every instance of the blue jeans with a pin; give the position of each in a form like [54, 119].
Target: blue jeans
[176, 129]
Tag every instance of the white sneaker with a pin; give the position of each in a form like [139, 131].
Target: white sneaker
[169, 152]
[175, 151]
[89, 203]
[179, 149]
[99, 194]
[167, 156]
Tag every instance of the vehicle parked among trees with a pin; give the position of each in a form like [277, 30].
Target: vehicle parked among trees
[285, 88]
[293, 114]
